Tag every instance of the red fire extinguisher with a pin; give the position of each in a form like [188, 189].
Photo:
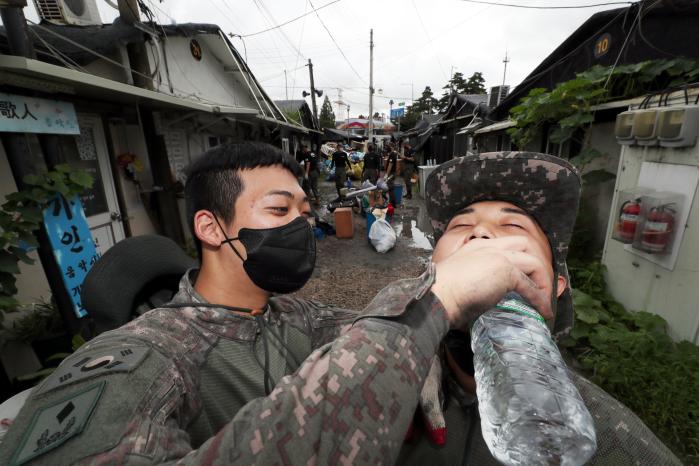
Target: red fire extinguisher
[628, 220]
[658, 228]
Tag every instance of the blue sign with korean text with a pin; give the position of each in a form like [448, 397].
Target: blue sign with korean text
[20, 114]
[72, 244]
[397, 112]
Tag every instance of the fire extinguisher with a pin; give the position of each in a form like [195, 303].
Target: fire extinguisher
[658, 228]
[628, 220]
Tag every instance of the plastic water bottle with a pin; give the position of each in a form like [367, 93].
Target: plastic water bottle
[531, 413]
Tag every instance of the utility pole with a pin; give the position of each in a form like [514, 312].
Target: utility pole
[286, 85]
[504, 73]
[371, 85]
[348, 129]
[313, 91]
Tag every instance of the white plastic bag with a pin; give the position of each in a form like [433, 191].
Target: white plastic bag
[381, 184]
[382, 236]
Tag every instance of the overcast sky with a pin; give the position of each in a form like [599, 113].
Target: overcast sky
[417, 42]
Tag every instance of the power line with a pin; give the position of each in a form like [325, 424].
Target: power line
[547, 7]
[292, 20]
[335, 42]
[429, 39]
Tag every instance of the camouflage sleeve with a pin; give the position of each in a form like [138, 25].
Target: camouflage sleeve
[352, 400]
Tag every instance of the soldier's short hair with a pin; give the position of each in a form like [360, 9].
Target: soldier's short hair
[213, 182]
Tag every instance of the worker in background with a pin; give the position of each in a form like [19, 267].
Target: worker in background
[408, 171]
[341, 164]
[372, 165]
[312, 175]
[391, 164]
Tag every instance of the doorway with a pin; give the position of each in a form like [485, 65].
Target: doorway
[88, 151]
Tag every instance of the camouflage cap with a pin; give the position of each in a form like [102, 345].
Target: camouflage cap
[546, 187]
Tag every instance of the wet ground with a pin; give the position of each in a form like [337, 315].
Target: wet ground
[349, 272]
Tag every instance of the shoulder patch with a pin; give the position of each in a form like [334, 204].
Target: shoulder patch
[93, 363]
[53, 425]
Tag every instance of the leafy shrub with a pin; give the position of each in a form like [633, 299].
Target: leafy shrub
[631, 356]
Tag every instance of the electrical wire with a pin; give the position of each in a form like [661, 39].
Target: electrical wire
[60, 56]
[644, 39]
[114, 62]
[429, 40]
[566, 56]
[271, 22]
[335, 42]
[298, 55]
[626, 40]
[291, 20]
[547, 7]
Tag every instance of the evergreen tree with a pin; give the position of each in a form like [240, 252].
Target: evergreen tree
[327, 116]
[475, 84]
[457, 84]
[425, 104]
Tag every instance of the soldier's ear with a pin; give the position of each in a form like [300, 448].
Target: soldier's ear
[207, 230]
[561, 285]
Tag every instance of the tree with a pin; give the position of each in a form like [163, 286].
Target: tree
[475, 84]
[425, 104]
[327, 116]
[457, 84]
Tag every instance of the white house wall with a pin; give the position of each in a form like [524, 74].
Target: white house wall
[205, 79]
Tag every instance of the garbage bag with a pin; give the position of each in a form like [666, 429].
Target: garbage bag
[381, 184]
[382, 236]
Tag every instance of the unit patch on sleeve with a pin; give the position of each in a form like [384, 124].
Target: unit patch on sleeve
[53, 425]
[93, 363]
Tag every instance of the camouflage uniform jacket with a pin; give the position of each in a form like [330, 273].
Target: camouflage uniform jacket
[622, 438]
[137, 395]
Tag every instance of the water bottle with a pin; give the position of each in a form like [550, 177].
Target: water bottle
[531, 413]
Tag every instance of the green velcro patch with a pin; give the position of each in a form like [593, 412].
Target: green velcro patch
[94, 363]
[53, 425]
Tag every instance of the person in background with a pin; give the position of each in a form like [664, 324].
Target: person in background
[391, 164]
[301, 155]
[372, 165]
[408, 171]
[341, 164]
[312, 174]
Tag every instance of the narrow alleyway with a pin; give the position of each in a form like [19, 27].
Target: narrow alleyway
[349, 272]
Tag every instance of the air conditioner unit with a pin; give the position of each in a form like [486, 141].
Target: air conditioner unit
[497, 95]
[73, 12]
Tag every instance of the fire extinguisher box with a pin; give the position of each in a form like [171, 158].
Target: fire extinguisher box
[628, 214]
[658, 227]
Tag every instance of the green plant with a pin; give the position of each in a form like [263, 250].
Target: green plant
[568, 108]
[35, 320]
[21, 215]
[631, 356]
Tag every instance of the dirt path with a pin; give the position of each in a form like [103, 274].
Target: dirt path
[349, 272]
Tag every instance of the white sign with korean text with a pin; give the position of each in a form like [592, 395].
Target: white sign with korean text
[20, 114]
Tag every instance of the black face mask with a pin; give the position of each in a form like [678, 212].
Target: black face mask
[280, 259]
